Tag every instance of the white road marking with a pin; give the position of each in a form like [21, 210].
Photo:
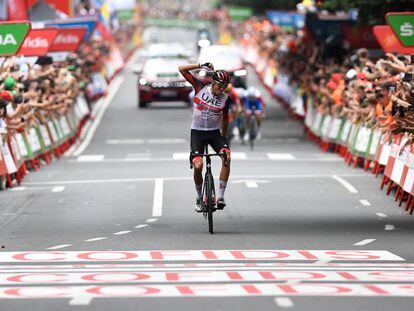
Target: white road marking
[80, 301]
[251, 184]
[18, 189]
[183, 178]
[181, 156]
[281, 156]
[91, 158]
[381, 215]
[365, 202]
[58, 188]
[321, 262]
[364, 242]
[140, 141]
[59, 246]
[141, 226]
[238, 156]
[284, 302]
[122, 232]
[96, 239]
[345, 183]
[151, 220]
[158, 198]
[113, 89]
[389, 227]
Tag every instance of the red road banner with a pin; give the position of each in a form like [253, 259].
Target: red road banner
[38, 42]
[211, 290]
[360, 37]
[68, 39]
[389, 41]
[65, 6]
[17, 10]
[200, 255]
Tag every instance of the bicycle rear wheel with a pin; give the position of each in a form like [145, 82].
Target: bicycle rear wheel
[252, 131]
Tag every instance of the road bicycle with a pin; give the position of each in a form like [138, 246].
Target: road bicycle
[208, 201]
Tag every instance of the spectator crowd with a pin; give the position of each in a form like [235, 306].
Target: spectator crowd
[40, 102]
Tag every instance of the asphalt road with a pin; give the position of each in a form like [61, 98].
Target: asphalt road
[95, 231]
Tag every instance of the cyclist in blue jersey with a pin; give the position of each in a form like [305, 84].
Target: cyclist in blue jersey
[253, 102]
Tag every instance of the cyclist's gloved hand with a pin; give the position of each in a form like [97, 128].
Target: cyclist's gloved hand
[208, 66]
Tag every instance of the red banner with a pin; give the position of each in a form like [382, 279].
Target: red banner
[68, 39]
[389, 41]
[17, 10]
[38, 42]
[360, 37]
[65, 6]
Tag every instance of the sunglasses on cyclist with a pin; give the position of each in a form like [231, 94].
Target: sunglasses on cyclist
[221, 85]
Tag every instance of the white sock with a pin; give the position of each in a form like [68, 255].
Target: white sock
[222, 188]
[199, 190]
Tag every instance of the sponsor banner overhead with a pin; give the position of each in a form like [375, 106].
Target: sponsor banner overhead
[286, 19]
[17, 10]
[88, 23]
[200, 255]
[389, 41]
[68, 39]
[403, 26]
[240, 13]
[38, 42]
[12, 36]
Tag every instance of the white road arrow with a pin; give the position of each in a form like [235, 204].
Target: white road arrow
[251, 183]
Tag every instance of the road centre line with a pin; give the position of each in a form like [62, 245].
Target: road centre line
[141, 226]
[113, 90]
[80, 301]
[58, 188]
[365, 202]
[389, 227]
[91, 158]
[364, 242]
[345, 183]
[251, 184]
[158, 198]
[96, 239]
[183, 178]
[122, 232]
[381, 215]
[284, 302]
[281, 156]
[59, 246]
[151, 220]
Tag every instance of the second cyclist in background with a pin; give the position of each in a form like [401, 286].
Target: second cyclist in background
[253, 103]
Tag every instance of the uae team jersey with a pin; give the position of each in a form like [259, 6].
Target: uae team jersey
[208, 109]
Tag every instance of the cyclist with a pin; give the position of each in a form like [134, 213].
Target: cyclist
[252, 100]
[210, 113]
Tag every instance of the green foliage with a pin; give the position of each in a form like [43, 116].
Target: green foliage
[260, 6]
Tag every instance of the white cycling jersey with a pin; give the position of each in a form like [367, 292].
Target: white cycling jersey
[208, 109]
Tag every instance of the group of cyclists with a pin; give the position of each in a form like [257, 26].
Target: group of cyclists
[216, 104]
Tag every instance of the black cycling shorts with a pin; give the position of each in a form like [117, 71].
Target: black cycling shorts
[199, 139]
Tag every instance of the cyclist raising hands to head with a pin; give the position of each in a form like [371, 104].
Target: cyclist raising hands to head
[210, 115]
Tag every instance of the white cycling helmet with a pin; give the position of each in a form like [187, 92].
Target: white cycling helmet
[252, 92]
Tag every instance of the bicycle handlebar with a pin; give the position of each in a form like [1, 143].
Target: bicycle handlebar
[222, 155]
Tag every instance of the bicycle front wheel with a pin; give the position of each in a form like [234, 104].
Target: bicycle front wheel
[209, 182]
